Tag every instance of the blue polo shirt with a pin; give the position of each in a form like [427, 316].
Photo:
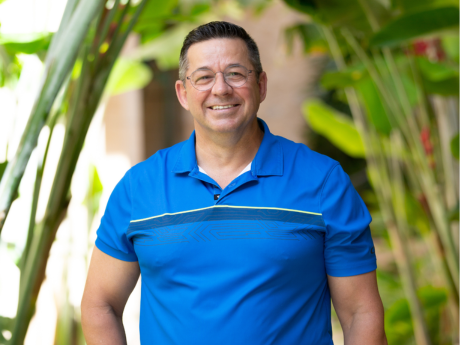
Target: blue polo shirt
[248, 267]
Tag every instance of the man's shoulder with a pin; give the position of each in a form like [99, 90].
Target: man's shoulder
[300, 156]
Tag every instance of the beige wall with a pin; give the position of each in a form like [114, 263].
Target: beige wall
[123, 118]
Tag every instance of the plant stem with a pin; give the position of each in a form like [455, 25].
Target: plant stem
[400, 241]
[378, 170]
[90, 92]
[425, 175]
[106, 25]
[58, 67]
[35, 197]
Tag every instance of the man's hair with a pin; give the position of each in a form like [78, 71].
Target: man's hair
[213, 30]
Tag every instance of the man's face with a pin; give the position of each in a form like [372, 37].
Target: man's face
[217, 54]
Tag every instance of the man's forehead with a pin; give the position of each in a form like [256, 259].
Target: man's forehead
[218, 50]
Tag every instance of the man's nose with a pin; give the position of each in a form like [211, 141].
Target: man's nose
[220, 86]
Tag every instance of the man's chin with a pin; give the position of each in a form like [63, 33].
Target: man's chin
[223, 125]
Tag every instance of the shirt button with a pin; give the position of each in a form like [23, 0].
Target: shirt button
[232, 185]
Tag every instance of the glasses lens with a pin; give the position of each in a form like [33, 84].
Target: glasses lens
[203, 79]
[236, 75]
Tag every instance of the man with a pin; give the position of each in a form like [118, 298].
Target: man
[241, 237]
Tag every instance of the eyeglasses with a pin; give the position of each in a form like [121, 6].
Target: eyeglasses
[204, 79]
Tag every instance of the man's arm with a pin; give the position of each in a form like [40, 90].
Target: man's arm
[358, 305]
[110, 282]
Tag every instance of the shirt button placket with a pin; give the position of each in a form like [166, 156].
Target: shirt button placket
[217, 193]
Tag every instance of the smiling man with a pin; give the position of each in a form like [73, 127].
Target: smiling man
[241, 236]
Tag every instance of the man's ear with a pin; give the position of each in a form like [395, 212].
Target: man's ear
[262, 86]
[181, 93]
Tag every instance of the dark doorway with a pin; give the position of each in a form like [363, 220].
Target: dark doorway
[163, 118]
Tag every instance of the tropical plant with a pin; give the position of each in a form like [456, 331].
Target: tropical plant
[82, 66]
[77, 66]
[396, 67]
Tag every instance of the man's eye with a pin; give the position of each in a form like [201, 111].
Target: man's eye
[206, 77]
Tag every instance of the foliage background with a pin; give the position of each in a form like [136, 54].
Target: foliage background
[386, 107]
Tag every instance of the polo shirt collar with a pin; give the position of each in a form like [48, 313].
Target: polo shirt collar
[267, 162]
[269, 158]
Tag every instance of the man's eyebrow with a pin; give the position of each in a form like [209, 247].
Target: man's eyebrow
[234, 65]
[203, 67]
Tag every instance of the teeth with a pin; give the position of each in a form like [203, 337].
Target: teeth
[222, 107]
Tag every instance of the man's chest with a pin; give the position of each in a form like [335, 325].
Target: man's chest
[251, 226]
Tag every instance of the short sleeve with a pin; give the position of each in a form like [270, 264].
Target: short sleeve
[111, 235]
[348, 246]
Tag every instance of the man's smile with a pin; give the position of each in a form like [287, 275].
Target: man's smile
[223, 107]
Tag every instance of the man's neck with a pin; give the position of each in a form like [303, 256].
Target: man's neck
[224, 155]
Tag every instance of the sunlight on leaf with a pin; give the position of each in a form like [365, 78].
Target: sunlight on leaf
[128, 75]
[335, 126]
[25, 43]
[165, 49]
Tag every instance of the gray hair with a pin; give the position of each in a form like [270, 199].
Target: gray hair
[218, 30]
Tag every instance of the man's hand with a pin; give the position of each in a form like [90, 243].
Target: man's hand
[110, 282]
[358, 305]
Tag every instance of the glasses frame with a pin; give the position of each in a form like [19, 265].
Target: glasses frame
[223, 75]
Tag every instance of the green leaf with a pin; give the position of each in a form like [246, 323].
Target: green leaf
[128, 75]
[335, 126]
[450, 44]
[200, 8]
[2, 168]
[375, 109]
[351, 15]
[96, 184]
[398, 321]
[433, 301]
[415, 214]
[416, 5]
[154, 12]
[25, 43]
[399, 311]
[411, 89]
[310, 35]
[447, 87]
[454, 146]
[416, 24]
[398, 325]
[151, 31]
[305, 6]
[94, 192]
[342, 79]
[165, 49]
[432, 297]
[436, 71]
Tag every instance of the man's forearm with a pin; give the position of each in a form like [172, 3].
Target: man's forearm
[365, 329]
[102, 326]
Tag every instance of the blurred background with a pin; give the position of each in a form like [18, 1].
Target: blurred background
[87, 91]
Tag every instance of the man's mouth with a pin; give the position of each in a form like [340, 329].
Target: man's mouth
[220, 107]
